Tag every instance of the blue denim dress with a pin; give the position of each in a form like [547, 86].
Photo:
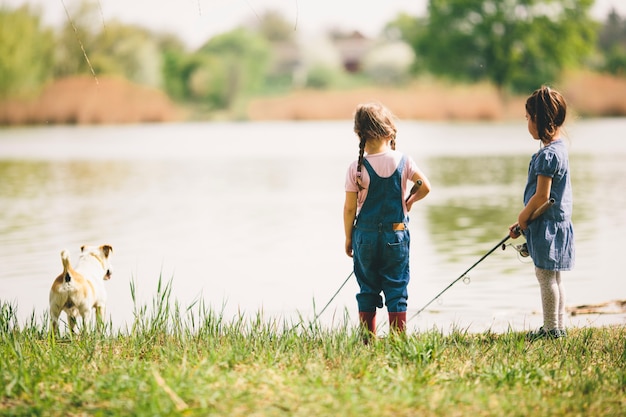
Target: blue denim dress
[551, 237]
[380, 243]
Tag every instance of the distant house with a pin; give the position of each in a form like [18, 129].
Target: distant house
[383, 60]
[352, 47]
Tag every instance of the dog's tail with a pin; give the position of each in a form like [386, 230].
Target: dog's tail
[65, 259]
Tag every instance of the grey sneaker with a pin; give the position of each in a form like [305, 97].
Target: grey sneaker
[545, 334]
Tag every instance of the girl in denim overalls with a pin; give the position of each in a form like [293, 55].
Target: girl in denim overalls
[375, 217]
[550, 237]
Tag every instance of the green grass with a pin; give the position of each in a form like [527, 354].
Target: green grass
[194, 362]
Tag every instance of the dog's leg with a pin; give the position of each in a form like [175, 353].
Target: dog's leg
[99, 310]
[72, 322]
[87, 320]
[54, 319]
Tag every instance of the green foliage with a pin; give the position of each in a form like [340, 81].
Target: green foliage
[26, 52]
[85, 44]
[127, 51]
[228, 67]
[616, 60]
[76, 41]
[176, 67]
[411, 29]
[215, 81]
[612, 44]
[321, 77]
[517, 44]
[243, 49]
[273, 27]
[285, 59]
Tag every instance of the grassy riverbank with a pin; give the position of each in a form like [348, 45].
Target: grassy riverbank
[193, 362]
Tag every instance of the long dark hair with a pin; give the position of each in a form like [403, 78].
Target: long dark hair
[547, 108]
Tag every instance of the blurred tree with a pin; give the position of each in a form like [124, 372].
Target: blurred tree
[77, 40]
[26, 50]
[612, 44]
[410, 29]
[87, 45]
[210, 82]
[128, 51]
[285, 61]
[228, 67]
[516, 44]
[321, 77]
[176, 68]
[273, 26]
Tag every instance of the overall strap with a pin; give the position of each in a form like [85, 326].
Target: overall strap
[383, 205]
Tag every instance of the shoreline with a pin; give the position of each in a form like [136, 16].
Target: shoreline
[83, 100]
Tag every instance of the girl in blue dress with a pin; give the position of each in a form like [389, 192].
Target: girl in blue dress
[376, 219]
[550, 238]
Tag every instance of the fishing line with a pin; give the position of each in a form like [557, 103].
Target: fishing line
[522, 250]
[295, 26]
[333, 297]
[317, 316]
[253, 10]
[82, 47]
[502, 244]
[463, 276]
[104, 27]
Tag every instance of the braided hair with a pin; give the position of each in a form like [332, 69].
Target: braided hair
[372, 121]
[547, 108]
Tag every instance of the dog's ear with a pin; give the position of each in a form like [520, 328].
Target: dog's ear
[82, 248]
[106, 249]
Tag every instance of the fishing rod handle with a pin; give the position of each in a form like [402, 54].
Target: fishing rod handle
[414, 189]
[541, 209]
[535, 214]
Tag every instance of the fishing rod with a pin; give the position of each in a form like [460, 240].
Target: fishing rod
[538, 212]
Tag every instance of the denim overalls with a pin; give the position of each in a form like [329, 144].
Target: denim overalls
[380, 243]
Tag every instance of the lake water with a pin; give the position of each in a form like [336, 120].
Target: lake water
[248, 217]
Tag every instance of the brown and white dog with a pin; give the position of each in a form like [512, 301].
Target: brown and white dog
[79, 290]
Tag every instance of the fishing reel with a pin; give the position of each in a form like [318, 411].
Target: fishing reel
[521, 249]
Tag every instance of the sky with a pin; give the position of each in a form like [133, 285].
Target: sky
[195, 21]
